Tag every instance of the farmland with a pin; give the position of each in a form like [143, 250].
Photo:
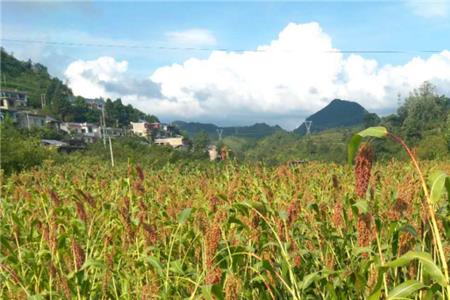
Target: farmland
[220, 231]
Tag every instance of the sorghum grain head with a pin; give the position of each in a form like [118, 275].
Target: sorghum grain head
[78, 254]
[140, 172]
[362, 169]
[232, 287]
[213, 276]
[335, 181]
[55, 198]
[365, 230]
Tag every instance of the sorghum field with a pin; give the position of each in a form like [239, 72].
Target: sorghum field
[226, 231]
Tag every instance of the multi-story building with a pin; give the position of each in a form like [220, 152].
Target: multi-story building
[142, 129]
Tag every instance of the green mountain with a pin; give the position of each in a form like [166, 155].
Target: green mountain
[255, 131]
[338, 113]
[30, 77]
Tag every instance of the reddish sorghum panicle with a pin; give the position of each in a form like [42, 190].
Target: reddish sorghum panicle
[335, 181]
[87, 197]
[213, 203]
[212, 242]
[78, 254]
[293, 212]
[337, 214]
[362, 169]
[232, 287]
[81, 213]
[406, 243]
[11, 271]
[140, 172]
[213, 276]
[365, 230]
[55, 198]
[150, 233]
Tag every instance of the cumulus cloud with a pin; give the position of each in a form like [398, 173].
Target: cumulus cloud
[192, 37]
[108, 78]
[282, 82]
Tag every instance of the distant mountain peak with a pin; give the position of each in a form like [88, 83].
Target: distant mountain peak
[338, 113]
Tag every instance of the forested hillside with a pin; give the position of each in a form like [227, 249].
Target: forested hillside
[255, 131]
[60, 102]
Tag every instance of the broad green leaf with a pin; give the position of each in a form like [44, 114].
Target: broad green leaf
[377, 132]
[405, 289]
[410, 229]
[184, 215]
[206, 292]
[175, 267]
[308, 279]
[353, 146]
[437, 186]
[155, 263]
[36, 297]
[376, 294]
[428, 264]
[92, 263]
[362, 206]
[283, 215]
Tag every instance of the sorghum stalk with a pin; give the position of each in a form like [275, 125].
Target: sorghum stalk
[434, 226]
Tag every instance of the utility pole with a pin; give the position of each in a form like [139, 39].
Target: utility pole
[103, 127]
[111, 151]
[308, 127]
[43, 100]
[219, 132]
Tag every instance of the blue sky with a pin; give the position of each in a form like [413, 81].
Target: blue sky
[350, 25]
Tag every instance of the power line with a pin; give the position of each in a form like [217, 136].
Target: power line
[155, 47]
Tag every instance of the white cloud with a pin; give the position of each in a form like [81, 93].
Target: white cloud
[192, 37]
[281, 82]
[86, 78]
[429, 9]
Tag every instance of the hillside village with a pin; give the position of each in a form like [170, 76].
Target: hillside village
[14, 105]
[44, 108]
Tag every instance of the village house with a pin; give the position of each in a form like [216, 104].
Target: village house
[142, 129]
[175, 142]
[30, 119]
[12, 100]
[86, 131]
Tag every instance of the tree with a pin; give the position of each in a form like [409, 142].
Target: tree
[19, 151]
[423, 110]
[432, 147]
[57, 97]
[200, 141]
[371, 119]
